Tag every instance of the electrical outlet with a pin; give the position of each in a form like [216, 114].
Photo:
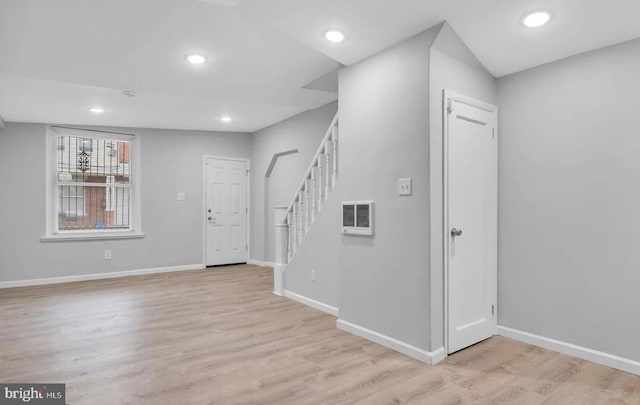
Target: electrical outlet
[107, 255]
[313, 275]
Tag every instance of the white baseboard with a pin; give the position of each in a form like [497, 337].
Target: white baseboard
[606, 359]
[437, 356]
[393, 344]
[261, 263]
[98, 276]
[311, 303]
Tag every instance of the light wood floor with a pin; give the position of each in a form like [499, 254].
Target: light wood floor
[220, 336]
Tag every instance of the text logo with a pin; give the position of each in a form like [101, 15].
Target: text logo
[37, 394]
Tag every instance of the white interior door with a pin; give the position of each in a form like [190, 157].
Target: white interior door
[226, 215]
[472, 221]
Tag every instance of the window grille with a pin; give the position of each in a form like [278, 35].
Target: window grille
[93, 182]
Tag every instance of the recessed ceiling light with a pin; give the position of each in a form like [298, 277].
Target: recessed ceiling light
[334, 36]
[196, 59]
[536, 19]
[225, 118]
[96, 110]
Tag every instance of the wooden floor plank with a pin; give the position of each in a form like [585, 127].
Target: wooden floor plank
[220, 336]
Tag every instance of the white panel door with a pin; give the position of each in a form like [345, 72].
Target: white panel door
[226, 215]
[472, 231]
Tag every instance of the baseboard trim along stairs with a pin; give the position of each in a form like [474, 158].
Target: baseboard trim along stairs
[393, 344]
[312, 303]
[99, 276]
[584, 353]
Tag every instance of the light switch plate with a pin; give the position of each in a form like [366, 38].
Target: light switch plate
[404, 186]
[182, 196]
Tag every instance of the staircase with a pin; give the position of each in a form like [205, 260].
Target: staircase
[294, 221]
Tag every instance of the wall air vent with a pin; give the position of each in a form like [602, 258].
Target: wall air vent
[357, 218]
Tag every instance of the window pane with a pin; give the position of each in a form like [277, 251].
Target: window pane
[71, 202]
[86, 145]
[93, 208]
[86, 160]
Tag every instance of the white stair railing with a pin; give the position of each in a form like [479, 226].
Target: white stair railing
[316, 185]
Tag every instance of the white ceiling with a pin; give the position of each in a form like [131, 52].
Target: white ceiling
[58, 58]
[491, 28]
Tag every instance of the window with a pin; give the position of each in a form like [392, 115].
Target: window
[91, 191]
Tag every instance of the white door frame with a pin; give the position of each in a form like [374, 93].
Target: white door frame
[451, 95]
[204, 202]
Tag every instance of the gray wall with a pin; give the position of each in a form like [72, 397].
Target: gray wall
[319, 252]
[569, 173]
[384, 136]
[391, 127]
[171, 163]
[452, 66]
[303, 132]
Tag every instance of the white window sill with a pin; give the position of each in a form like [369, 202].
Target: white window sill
[66, 237]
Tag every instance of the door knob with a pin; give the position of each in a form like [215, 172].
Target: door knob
[210, 218]
[456, 232]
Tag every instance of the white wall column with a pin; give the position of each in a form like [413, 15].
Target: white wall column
[282, 247]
